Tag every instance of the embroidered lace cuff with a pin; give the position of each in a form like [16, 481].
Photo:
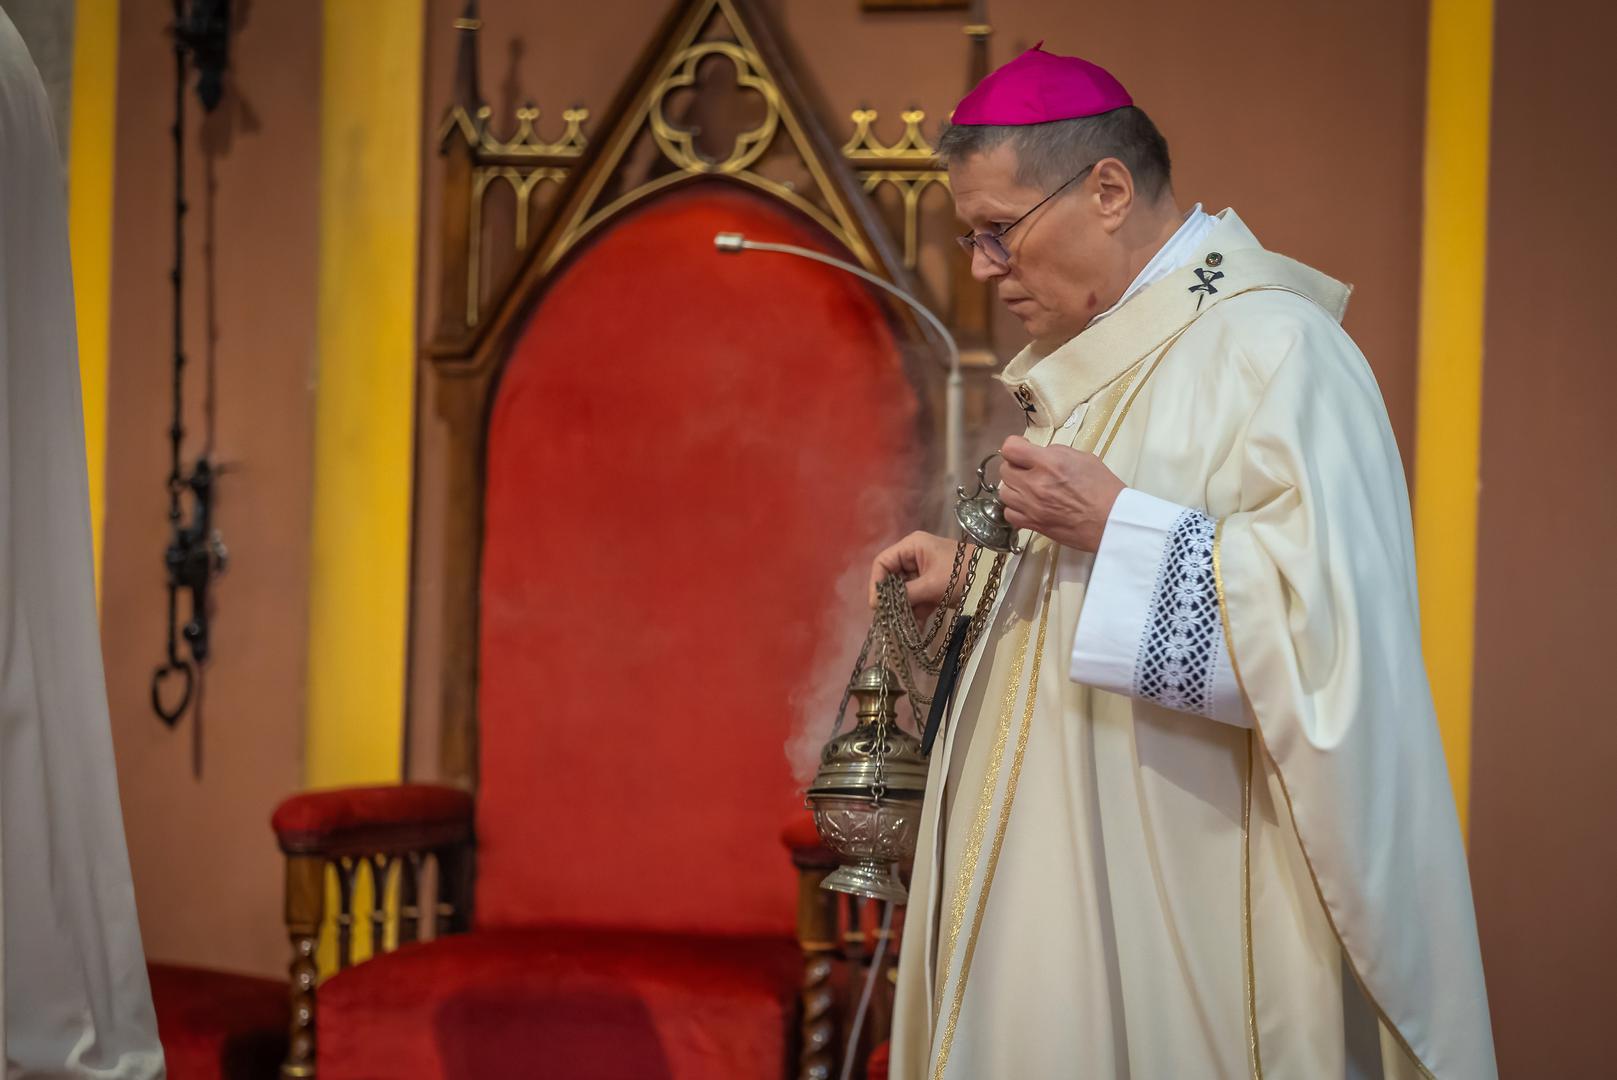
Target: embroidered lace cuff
[1151, 627]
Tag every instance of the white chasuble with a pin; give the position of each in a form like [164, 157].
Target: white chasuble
[76, 1004]
[1190, 816]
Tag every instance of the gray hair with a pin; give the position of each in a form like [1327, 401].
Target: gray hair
[1050, 154]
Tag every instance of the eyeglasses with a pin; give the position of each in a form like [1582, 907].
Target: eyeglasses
[992, 244]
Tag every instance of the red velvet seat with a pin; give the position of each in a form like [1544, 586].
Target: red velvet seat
[218, 1026]
[564, 1003]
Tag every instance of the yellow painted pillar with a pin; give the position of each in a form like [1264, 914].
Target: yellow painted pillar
[1448, 421]
[370, 142]
[91, 140]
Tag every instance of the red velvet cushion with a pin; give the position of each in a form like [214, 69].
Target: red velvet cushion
[688, 451]
[216, 1026]
[314, 817]
[537, 1003]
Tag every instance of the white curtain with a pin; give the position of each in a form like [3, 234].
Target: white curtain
[76, 999]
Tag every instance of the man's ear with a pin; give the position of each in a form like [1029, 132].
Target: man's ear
[1114, 193]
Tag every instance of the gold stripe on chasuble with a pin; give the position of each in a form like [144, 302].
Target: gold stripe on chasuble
[1005, 805]
[973, 849]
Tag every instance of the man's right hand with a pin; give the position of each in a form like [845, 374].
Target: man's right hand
[924, 561]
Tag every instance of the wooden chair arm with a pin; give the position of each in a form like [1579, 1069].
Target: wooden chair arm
[403, 832]
[391, 818]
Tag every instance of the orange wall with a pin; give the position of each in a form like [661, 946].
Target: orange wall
[1544, 742]
[207, 875]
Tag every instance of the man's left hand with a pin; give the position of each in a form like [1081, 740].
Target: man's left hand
[1063, 493]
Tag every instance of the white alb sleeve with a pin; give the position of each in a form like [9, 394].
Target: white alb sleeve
[1151, 626]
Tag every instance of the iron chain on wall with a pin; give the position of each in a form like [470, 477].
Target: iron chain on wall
[195, 552]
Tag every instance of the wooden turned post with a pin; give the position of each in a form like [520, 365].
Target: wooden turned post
[346, 869]
[454, 889]
[409, 899]
[305, 910]
[817, 935]
[380, 873]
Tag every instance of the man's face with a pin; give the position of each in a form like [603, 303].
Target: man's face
[1063, 258]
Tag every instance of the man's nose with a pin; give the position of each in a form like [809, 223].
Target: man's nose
[984, 268]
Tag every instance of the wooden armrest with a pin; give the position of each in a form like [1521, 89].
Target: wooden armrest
[386, 819]
[389, 828]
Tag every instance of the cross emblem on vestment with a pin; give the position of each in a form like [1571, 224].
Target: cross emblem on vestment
[1206, 277]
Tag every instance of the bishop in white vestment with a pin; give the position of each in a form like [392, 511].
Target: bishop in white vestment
[1189, 817]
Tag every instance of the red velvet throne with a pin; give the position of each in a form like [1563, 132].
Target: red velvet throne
[660, 463]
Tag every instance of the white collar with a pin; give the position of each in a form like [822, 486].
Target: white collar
[1184, 246]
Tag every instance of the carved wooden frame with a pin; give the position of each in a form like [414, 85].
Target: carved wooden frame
[474, 335]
